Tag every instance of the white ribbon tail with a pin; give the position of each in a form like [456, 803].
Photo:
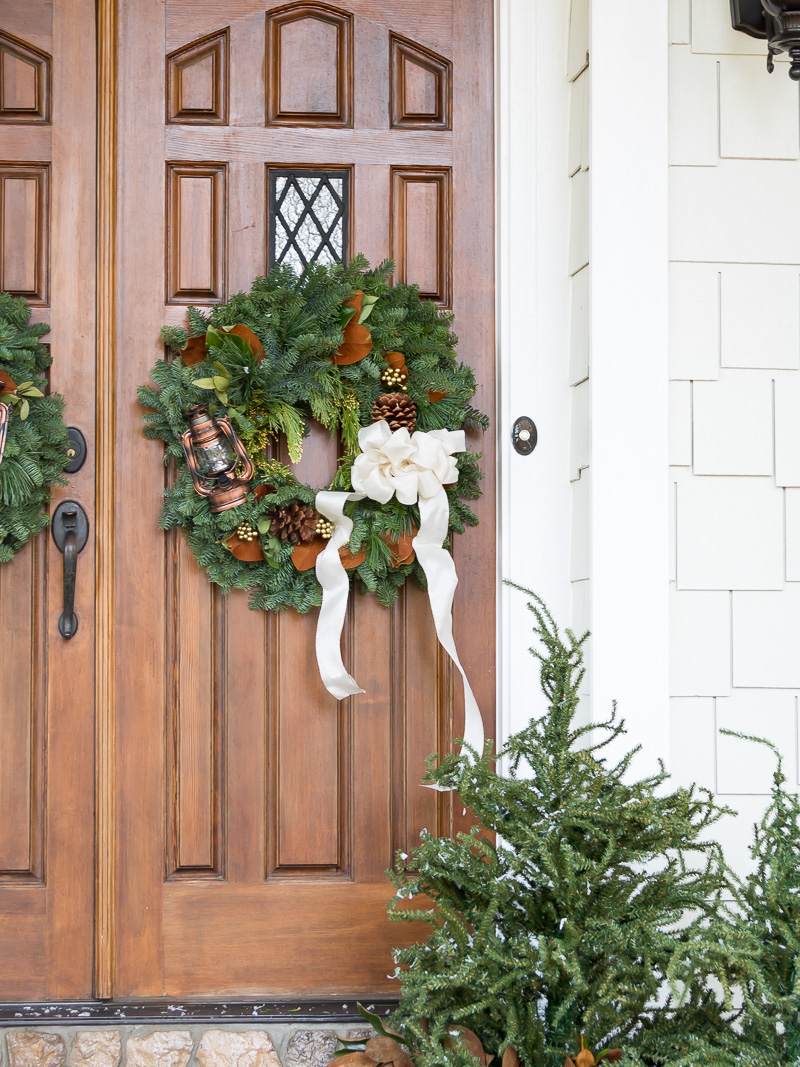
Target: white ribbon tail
[440, 572]
[332, 576]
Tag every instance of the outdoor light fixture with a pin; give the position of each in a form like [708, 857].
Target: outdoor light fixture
[213, 452]
[775, 21]
[5, 412]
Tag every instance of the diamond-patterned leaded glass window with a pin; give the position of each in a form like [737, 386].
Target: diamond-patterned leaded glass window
[308, 217]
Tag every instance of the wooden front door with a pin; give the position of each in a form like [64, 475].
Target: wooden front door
[47, 255]
[245, 819]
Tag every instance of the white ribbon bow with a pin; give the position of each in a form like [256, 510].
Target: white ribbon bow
[414, 468]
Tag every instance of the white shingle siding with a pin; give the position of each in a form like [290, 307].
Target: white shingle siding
[735, 411]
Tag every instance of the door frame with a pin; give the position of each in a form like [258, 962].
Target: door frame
[628, 518]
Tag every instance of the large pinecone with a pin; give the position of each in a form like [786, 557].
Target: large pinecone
[398, 409]
[294, 522]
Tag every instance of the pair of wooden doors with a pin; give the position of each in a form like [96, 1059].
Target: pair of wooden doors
[184, 810]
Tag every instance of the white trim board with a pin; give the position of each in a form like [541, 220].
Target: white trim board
[533, 308]
[629, 509]
[629, 505]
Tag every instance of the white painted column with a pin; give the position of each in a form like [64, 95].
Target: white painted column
[629, 507]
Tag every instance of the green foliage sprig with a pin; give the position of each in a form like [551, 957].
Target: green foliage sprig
[600, 908]
[300, 320]
[771, 911]
[36, 442]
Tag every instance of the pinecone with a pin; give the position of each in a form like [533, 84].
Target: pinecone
[397, 409]
[294, 522]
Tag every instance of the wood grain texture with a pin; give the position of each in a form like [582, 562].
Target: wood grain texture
[105, 423]
[25, 231]
[142, 681]
[417, 19]
[315, 795]
[24, 82]
[421, 240]
[421, 87]
[196, 232]
[22, 621]
[235, 940]
[291, 146]
[318, 40]
[70, 746]
[198, 82]
[195, 658]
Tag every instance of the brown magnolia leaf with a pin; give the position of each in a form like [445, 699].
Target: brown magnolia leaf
[247, 335]
[357, 341]
[402, 550]
[471, 1042]
[568, 1062]
[510, 1057]
[353, 1059]
[304, 557]
[194, 351]
[584, 1057]
[612, 1055]
[383, 1050]
[349, 561]
[434, 395]
[7, 382]
[248, 551]
[397, 361]
[261, 491]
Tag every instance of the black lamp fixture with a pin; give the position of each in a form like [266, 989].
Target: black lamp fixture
[775, 21]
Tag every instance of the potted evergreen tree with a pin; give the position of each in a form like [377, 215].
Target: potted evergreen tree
[596, 909]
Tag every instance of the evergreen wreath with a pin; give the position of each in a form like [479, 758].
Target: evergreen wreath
[336, 345]
[36, 442]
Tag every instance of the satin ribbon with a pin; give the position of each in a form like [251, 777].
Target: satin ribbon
[332, 576]
[414, 467]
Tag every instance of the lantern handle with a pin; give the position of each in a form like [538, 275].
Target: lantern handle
[248, 467]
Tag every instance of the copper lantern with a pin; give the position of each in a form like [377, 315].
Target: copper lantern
[5, 414]
[218, 462]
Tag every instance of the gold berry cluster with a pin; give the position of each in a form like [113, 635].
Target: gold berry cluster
[395, 378]
[325, 528]
[245, 532]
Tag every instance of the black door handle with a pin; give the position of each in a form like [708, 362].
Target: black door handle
[70, 528]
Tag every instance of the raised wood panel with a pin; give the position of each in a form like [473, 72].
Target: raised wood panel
[23, 943]
[309, 66]
[196, 232]
[420, 87]
[421, 230]
[309, 730]
[195, 666]
[22, 622]
[234, 939]
[198, 82]
[24, 82]
[24, 231]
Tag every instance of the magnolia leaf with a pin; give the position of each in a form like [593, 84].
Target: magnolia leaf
[213, 337]
[220, 369]
[31, 391]
[24, 408]
[345, 315]
[263, 526]
[367, 304]
[204, 383]
[221, 383]
[222, 397]
[23, 386]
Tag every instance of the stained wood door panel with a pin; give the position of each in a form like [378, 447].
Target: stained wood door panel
[22, 715]
[47, 254]
[259, 834]
[223, 937]
[197, 75]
